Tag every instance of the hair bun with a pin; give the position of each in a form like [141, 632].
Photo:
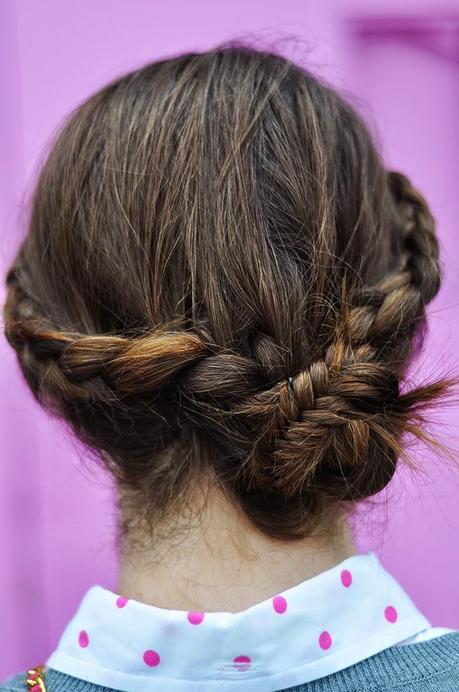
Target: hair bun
[326, 426]
[226, 283]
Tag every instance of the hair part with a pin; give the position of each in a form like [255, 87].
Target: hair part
[221, 278]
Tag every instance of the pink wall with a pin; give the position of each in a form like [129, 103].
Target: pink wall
[56, 514]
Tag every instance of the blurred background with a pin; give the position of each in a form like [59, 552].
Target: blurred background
[402, 73]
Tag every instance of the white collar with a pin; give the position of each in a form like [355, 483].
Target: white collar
[324, 624]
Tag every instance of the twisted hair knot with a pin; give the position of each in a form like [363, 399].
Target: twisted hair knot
[299, 393]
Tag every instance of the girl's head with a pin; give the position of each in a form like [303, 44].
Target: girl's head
[222, 284]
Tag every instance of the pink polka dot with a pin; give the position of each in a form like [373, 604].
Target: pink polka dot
[83, 639]
[279, 604]
[195, 618]
[242, 662]
[390, 613]
[121, 601]
[151, 658]
[346, 577]
[325, 640]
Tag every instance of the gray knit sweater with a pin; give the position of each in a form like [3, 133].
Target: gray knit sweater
[427, 666]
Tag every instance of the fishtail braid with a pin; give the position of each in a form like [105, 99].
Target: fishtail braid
[341, 411]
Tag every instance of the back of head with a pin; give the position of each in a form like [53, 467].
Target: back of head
[221, 281]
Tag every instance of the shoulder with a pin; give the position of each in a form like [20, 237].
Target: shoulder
[443, 654]
[431, 665]
[55, 681]
[428, 665]
[14, 683]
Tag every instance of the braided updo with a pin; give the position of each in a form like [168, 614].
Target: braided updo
[222, 280]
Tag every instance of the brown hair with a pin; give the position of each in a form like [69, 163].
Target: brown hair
[221, 279]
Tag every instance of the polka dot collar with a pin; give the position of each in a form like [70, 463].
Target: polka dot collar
[324, 624]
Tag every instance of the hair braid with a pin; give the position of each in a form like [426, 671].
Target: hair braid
[421, 243]
[386, 314]
[346, 407]
[319, 431]
[234, 289]
[103, 366]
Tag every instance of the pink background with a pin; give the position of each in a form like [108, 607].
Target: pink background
[402, 71]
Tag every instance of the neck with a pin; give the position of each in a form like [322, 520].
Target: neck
[223, 563]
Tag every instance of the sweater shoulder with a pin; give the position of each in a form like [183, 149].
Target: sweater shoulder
[14, 683]
[55, 681]
[431, 665]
